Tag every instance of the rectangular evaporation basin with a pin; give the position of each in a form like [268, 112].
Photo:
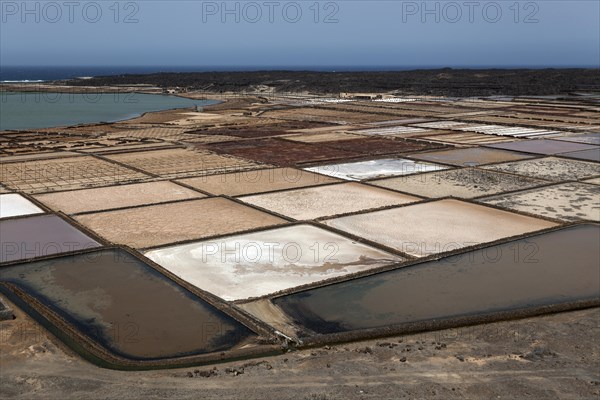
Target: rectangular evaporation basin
[157, 225]
[116, 196]
[459, 182]
[316, 202]
[257, 264]
[544, 146]
[378, 145]
[550, 168]
[127, 307]
[392, 130]
[471, 138]
[256, 181]
[554, 268]
[322, 137]
[40, 235]
[590, 155]
[571, 201]
[280, 152]
[471, 156]
[14, 205]
[589, 138]
[64, 174]
[175, 163]
[357, 171]
[437, 226]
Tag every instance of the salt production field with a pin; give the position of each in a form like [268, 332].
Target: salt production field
[379, 168]
[254, 227]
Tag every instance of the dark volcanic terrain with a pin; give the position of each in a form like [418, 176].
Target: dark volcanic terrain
[440, 82]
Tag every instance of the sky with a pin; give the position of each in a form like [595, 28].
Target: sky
[302, 33]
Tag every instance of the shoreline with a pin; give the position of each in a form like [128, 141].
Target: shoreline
[52, 86]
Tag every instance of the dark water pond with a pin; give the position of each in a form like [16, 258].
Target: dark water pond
[551, 268]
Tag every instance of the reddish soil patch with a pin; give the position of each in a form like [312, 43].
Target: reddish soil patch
[280, 152]
[376, 146]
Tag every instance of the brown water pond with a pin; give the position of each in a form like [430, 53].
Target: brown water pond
[126, 306]
[559, 267]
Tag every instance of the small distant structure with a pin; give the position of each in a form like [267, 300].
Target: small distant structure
[362, 96]
[174, 90]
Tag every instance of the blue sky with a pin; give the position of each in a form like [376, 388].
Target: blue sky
[294, 33]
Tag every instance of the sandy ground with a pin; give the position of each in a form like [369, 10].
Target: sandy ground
[554, 356]
[191, 118]
[595, 181]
